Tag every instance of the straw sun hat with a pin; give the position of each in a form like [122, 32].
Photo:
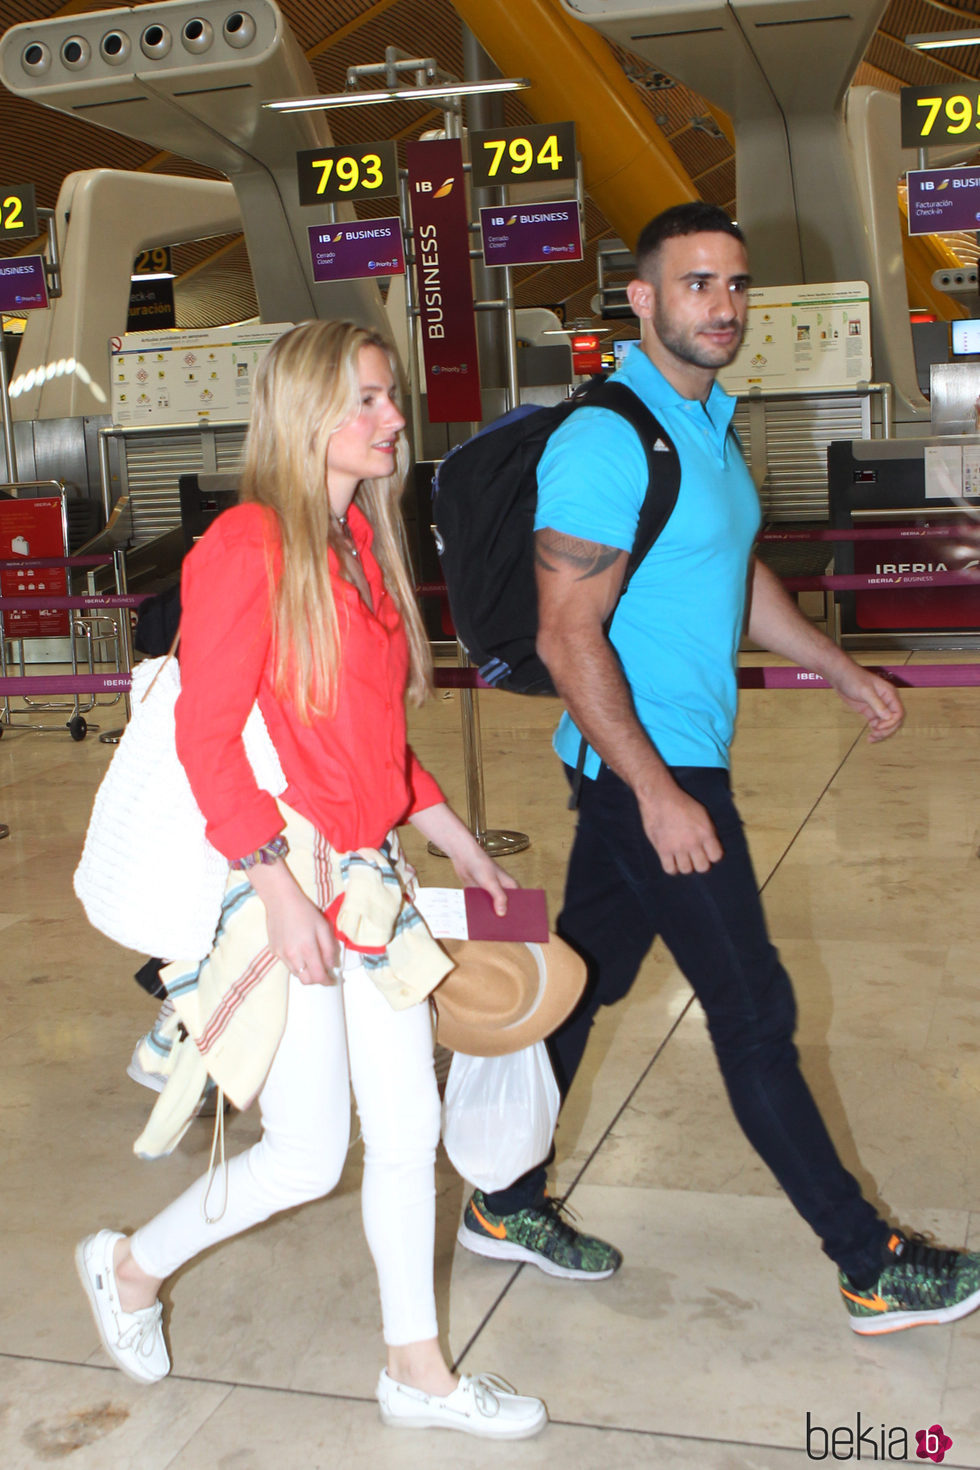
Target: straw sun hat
[504, 995]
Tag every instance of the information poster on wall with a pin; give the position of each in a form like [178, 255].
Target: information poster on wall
[187, 377]
[813, 336]
[952, 472]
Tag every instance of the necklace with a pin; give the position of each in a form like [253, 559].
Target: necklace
[347, 534]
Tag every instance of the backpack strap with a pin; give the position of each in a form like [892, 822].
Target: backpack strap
[663, 487]
[663, 468]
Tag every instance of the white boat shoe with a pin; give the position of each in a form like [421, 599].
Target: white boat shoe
[133, 1340]
[485, 1406]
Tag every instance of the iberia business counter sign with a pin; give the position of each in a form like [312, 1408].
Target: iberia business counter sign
[445, 284]
[23, 284]
[344, 252]
[943, 199]
[532, 234]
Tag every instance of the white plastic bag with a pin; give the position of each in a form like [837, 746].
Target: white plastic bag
[499, 1115]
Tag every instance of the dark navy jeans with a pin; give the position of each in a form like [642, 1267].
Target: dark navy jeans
[617, 900]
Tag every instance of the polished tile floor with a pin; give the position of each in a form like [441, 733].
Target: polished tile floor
[722, 1339]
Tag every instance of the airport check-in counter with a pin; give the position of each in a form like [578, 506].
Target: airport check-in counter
[880, 484]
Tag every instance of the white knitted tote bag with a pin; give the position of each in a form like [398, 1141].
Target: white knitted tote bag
[148, 876]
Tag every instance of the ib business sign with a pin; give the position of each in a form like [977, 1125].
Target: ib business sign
[342, 252]
[531, 233]
[943, 199]
[23, 284]
[445, 285]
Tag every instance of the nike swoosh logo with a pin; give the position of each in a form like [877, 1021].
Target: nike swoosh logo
[498, 1231]
[873, 1303]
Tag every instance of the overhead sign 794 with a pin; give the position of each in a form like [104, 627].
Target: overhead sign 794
[940, 115]
[541, 151]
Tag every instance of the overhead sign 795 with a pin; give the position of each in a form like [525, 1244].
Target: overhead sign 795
[940, 115]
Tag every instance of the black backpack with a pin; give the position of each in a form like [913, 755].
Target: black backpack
[484, 496]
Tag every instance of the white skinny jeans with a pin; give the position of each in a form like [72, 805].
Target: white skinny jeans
[305, 1107]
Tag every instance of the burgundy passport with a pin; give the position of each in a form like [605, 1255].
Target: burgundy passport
[526, 917]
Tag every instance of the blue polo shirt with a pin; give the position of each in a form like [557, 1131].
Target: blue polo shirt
[678, 626]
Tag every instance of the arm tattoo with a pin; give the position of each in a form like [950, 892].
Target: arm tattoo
[556, 552]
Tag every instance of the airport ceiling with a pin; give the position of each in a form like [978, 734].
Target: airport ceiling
[214, 281]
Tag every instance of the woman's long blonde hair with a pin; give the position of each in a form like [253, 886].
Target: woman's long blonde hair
[307, 386]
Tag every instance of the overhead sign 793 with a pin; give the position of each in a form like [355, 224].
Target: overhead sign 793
[327, 175]
[940, 115]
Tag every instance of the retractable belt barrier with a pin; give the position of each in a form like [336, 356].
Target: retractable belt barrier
[845, 582]
[786, 676]
[903, 676]
[764, 676]
[120, 683]
[842, 581]
[862, 533]
[104, 559]
[467, 679]
[865, 582]
[89, 601]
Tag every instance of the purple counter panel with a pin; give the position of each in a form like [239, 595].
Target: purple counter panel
[531, 234]
[943, 199]
[23, 286]
[342, 252]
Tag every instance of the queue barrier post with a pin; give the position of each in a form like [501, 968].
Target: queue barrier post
[497, 841]
[125, 644]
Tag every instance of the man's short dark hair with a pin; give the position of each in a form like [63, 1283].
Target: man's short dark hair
[693, 218]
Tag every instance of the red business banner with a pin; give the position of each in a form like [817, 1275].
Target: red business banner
[445, 285]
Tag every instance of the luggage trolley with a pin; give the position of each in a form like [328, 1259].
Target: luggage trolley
[34, 564]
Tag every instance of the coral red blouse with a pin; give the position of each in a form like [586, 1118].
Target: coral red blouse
[353, 775]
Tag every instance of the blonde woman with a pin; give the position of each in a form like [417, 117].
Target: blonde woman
[299, 598]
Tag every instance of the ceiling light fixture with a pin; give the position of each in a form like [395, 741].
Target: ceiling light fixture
[583, 326]
[442, 92]
[943, 40]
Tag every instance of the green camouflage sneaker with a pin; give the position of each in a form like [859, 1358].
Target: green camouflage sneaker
[538, 1235]
[919, 1285]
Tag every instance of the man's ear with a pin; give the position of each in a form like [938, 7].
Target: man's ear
[640, 295]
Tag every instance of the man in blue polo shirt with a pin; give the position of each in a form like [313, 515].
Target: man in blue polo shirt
[659, 847]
